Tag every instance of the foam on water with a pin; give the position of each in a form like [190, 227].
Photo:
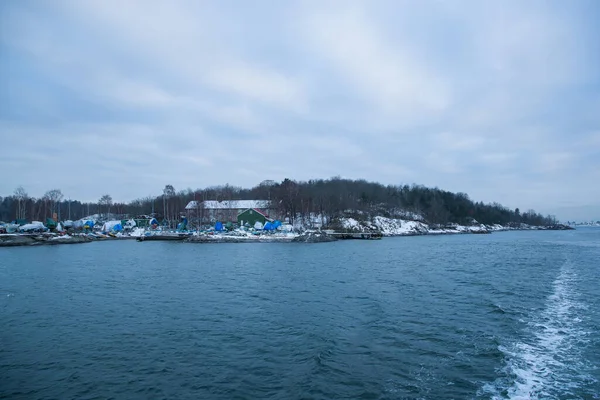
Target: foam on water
[547, 362]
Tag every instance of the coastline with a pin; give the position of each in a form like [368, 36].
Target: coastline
[347, 227]
[44, 239]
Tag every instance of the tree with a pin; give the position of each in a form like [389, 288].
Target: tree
[288, 195]
[330, 199]
[517, 215]
[105, 201]
[21, 196]
[53, 197]
[168, 192]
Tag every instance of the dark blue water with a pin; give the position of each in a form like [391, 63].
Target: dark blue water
[507, 315]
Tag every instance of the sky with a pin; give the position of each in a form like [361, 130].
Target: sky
[497, 99]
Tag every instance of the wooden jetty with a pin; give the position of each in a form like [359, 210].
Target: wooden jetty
[356, 235]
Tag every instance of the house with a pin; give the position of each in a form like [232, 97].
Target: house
[210, 211]
[251, 216]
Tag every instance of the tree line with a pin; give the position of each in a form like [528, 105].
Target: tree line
[329, 198]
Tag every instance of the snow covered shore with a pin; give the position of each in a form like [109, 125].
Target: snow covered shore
[242, 237]
[401, 227]
[380, 226]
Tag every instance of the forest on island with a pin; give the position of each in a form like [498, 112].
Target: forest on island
[332, 198]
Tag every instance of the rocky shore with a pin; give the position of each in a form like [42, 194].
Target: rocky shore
[314, 237]
[307, 237]
[11, 240]
[225, 238]
[376, 227]
[399, 227]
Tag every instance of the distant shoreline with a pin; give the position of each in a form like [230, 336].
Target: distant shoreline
[40, 239]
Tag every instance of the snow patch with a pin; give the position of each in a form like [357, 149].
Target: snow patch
[350, 223]
[137, 232]
[403, 227]
[60, 237]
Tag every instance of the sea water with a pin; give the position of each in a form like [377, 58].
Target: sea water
[511, 315]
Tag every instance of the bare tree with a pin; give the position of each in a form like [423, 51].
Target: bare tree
[330, 198]
[105, 201]
[266, 187]
[21, 196]
[53, 197]
[168, 192]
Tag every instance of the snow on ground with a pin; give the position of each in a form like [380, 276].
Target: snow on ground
[60, 237]
[350, 223]
[403, 227]
[392, 227]
[310, 222]
[244, 236]
[387, 226]
[137, 232]
[407, 215]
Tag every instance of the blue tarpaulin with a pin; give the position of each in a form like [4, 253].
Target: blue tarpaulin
[219, 226]
[276, 224]
[269, 227]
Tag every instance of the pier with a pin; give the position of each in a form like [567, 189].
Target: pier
[356, 235]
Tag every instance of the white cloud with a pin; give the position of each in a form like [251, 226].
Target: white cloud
[497, 159]
[521, 42]
[553, 162]
[390, 75]
[262, 85]
[443, 163]
[183, 39]
[457, 142]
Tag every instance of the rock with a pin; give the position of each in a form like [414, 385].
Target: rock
[36, 240]
[559, 227]
[238, 239]
[215, 239]
[17, 240]
[69, 240]
[314, 237]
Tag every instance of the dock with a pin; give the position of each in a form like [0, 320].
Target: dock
[356, 235]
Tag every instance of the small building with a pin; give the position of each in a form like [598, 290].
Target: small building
[211, 211]
[252, 216]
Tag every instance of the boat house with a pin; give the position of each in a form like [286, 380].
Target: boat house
[251, 216]
[211, 211]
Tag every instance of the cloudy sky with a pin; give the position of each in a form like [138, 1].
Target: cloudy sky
[498, 99]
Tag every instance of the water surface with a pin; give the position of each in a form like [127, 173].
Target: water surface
[507, 315]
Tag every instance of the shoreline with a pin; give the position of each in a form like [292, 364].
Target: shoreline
[28, 239]
[415, 229]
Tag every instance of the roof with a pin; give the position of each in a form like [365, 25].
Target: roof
[256, 210]
[229, 204]
[191, 205]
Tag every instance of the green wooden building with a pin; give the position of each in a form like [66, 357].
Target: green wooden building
[251, 216]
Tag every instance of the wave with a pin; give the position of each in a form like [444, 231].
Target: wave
[548, 362]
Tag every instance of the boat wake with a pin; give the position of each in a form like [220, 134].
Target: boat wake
[548, 362]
